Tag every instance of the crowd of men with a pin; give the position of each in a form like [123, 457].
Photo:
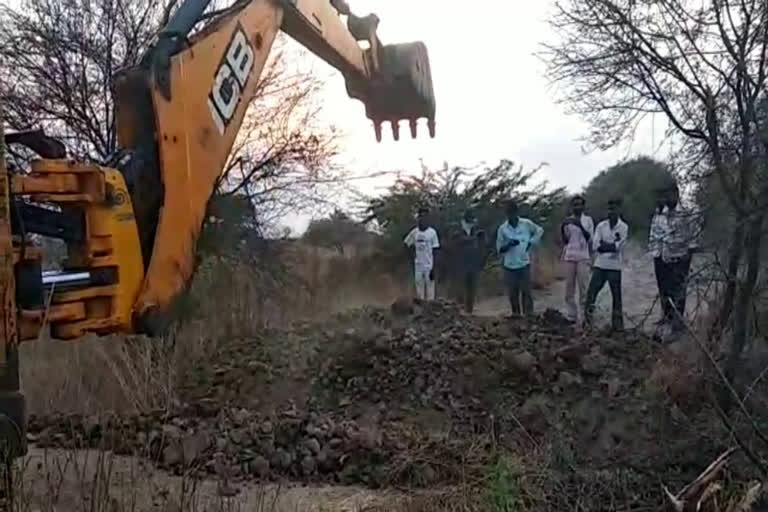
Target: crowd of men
[592, 256]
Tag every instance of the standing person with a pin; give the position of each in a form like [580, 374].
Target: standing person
[576, 230]
[610, 237]
[656, 236]
[677, 247]
[514, 240]
[423, 241]
[472, 257]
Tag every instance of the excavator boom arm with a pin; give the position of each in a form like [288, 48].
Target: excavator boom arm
[180, 112]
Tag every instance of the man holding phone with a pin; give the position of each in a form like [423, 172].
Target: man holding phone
[514, 240]
[609, 240]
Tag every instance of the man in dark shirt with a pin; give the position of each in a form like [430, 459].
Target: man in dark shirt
[472, 255]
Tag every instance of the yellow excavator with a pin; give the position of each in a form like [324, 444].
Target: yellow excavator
[131, 229]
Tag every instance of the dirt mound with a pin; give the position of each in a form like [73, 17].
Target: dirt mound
[422, 395]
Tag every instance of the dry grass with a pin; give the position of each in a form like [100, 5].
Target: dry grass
[546, 268]
[227, 300]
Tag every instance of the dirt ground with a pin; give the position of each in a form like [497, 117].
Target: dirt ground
[63, 480]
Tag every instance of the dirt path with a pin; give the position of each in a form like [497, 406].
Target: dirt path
[64, 480]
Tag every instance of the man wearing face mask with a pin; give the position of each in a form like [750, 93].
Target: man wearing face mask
[472, 257]
[514, 240]
[679, 243]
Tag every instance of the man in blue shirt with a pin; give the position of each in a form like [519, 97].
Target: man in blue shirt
[514, 240]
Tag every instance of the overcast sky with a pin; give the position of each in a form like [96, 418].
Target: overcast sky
[493, 101]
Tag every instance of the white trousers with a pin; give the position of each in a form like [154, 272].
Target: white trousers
[425, 287]
[576, 278]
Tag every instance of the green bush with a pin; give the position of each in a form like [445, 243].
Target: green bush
[635, 182]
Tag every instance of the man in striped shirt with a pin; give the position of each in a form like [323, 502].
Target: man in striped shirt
[655, 239]
[678, 244]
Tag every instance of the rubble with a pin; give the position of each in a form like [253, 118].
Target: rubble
[352, 399]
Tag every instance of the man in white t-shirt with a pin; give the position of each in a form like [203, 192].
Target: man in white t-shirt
[608, 242]
[424, 242]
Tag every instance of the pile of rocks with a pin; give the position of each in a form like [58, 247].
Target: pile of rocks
[346, 400]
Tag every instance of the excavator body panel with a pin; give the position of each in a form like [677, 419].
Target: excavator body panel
[210, 85]
[12, 403]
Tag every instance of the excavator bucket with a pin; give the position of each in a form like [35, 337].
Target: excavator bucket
[401, 91]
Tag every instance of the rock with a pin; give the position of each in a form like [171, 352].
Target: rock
[535, 412]
[554, 318]
[267, 447]
[572, 353]
[402, 307]
[593, 363]
[522, 362]
[566, 380]
[259, 466]
[171, 432]
[173, 455]
[614, 386]
[368, 438]
[240, 417]
[308, 465]
[428, 475]
[313, 445]
[281, 460]
[194, 446]
[238, 436]
[326, 461]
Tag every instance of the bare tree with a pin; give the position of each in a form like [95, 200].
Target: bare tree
[283, 159]
[701, 64]
[58, 58]
[57, 61]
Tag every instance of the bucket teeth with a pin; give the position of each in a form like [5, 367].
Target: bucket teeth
[413, 124]
[395, 129]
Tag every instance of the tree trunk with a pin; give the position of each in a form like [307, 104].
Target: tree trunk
[735, 254]
[743, 306]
